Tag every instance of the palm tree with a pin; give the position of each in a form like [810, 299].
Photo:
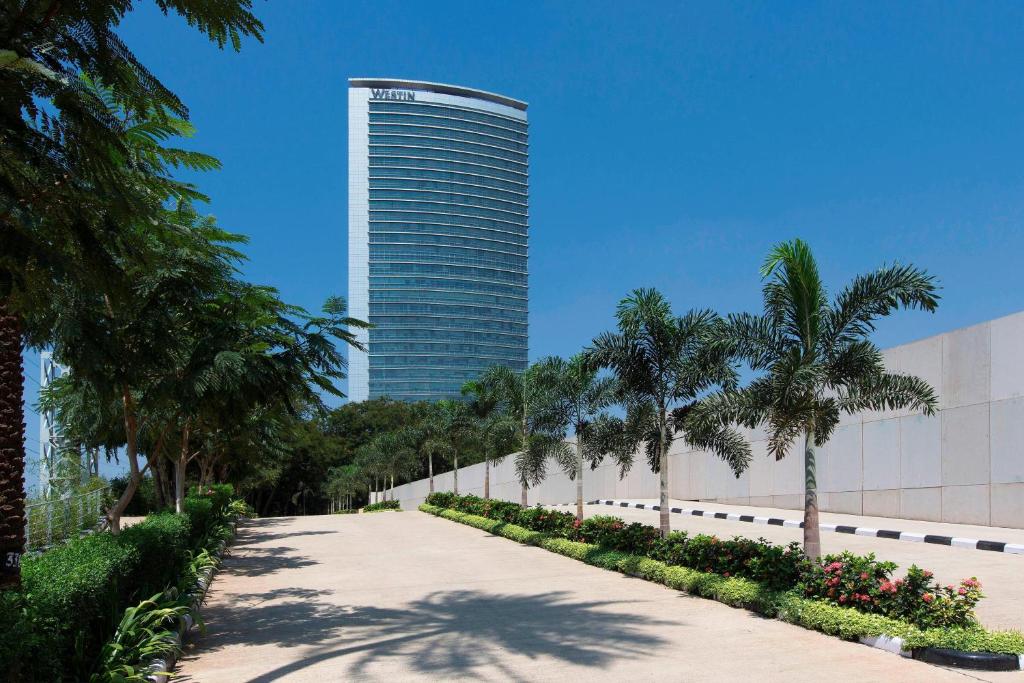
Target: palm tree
[496, 429]
[817, 359]
[579, 397]
[453, 432]
[663, 364]
[525, 397]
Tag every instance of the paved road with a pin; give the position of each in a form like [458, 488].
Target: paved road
[405, 596]
[999, 573]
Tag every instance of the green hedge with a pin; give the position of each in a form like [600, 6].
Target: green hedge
[843, 622]
[73, 596]
[382, 505]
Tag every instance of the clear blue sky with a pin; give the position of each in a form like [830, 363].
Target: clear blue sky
[671, 144]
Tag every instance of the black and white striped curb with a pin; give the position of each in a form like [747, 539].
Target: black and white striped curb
[955, 541]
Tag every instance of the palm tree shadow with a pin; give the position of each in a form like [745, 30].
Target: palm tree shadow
[446, 634]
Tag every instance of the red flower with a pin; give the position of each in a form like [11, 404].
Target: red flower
[842, 598]
[725, 574]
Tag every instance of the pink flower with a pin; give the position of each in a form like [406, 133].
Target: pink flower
[864, 576]
[726, 574]
[842, 598]
[928, 597]
[962, 591]
[927, 574]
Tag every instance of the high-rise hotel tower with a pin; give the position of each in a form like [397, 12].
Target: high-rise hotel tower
[438, 231]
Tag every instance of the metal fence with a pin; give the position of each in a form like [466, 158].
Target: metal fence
[52, 521]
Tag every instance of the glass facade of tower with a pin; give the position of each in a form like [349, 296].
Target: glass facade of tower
[446, 238]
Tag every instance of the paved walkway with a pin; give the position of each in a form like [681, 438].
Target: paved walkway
[1000, 573]
[406, 596]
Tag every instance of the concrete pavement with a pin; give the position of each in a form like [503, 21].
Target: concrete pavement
[999, 573]
[406, 596]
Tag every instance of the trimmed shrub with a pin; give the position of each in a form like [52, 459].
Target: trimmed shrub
[383, 505]
[845, 580]
[74, 595]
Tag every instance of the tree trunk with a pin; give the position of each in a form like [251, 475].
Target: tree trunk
[487, 479]
[430, 470]
[579, 479]
[392, 487]
[455, 472]
[522, 497]
[663, 482]
[131, 430]
[812, 534]
[180, 465]
[12, 449]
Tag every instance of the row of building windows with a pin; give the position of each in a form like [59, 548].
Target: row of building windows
[437, 133]
[474, 177]
[516, 351]
[435, 218]
[449, 199]
[406, 158]
[443, 135]
[482, 312]
[439, 239]
[445, 208]
[450, 112]
[456, 376]
[463, 189]
[448, 284]
[461, 257]
[507, 234]
[424, 152]
[437, 144]
[465, 272]
[406, 295]
[428, 322]
[447, 336]
[450, 124]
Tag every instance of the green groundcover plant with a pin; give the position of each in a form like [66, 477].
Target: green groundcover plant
[383, 505]
[861, 583]
[74, 597]
[737, 591]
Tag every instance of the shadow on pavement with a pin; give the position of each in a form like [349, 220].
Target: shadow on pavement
[446, 634]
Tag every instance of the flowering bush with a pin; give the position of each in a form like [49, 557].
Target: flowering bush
[776, 566]
[867, 584]
[613, 533]
[861, 582]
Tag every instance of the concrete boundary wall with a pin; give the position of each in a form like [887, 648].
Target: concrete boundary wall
[963, 465]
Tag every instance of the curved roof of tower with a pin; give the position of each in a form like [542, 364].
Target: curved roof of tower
[442, 88]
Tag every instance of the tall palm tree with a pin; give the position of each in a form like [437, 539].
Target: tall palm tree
[817, 359]
[579, 397]
[525, 397]
[496, 429]
[453, 432]
[664, 364]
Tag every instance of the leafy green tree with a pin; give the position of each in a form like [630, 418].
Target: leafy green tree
[69, 181]
[579, 397]
[663, 364]
[817, 359]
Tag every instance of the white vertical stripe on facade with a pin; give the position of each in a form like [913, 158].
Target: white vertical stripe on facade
[358, 237]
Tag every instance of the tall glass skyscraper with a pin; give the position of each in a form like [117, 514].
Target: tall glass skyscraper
[438, 233]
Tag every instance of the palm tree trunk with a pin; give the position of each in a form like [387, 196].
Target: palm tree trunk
[487, 479]
[522, 497]
[663, 482]
[392, 487]
[812, 534]
[12, 449]
[430, 470]
[180, 465]
[579, 479]
[455, 472]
